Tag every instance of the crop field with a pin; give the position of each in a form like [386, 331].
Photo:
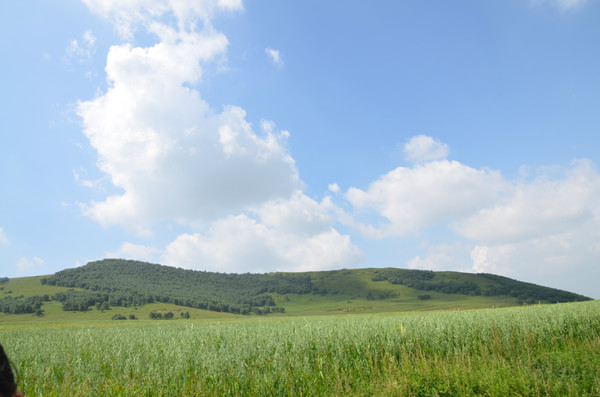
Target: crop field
[535, 350]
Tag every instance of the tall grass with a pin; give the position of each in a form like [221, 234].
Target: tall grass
[541, 350]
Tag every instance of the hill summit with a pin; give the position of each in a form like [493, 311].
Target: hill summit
[118, 282]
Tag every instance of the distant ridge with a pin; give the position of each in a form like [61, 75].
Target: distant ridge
[118, 282]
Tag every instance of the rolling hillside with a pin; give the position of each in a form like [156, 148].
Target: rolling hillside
[136, 289]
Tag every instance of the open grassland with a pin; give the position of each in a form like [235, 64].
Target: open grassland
[28, 286]
[534, 350]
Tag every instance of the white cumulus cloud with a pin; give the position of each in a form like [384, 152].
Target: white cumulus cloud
[542, 227]
[542, 207]
[297, 215]
[567, 260]
[172, 156]
[296, 234]
[290, 235]
[241, 244]
[3, 237]
[425, 195]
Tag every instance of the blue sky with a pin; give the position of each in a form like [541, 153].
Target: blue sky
[279, 135]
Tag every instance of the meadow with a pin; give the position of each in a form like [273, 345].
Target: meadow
[534, 350]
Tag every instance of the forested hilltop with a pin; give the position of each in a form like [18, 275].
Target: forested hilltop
[116, 282]
[480, 284]
[124, 283]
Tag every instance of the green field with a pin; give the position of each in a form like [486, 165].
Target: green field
[534, 350]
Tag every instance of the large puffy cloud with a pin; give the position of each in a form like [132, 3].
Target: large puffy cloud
[239, 243]
[543, 207]
[425, 195]
[480, 204]
[546, 231]
[544, 228]
[173, 157]
[567, 260]
[296, 234]
[298, 215]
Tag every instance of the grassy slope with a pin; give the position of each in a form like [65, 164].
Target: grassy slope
[354, 285]
[347, 294]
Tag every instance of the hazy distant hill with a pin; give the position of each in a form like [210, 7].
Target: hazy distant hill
[124, 283]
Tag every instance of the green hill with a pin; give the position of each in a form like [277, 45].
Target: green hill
[132, 289]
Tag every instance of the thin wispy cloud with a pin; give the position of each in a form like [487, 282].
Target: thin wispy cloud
[274, 56]
[81, 50]
[563, 4]
[3, 237]
[27, 265]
